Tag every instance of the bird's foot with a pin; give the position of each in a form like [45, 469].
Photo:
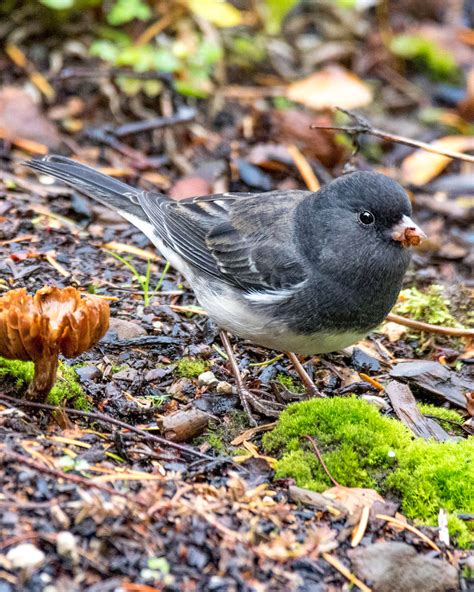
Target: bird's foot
[253, 401]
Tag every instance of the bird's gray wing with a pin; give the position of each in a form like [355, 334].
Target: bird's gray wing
[242, 239]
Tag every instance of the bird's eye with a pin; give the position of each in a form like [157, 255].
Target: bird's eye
[366, 218]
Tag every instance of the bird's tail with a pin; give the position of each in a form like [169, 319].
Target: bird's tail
[106, 190]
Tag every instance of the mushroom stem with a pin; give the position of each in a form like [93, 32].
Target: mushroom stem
[44, 377]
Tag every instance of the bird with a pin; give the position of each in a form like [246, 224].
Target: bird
[295, 271]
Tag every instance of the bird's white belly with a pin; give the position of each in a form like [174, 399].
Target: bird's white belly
[238, 317]
[242, 320]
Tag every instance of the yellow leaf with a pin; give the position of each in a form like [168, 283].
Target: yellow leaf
[421, 166]
[331, 87]
[218, 12]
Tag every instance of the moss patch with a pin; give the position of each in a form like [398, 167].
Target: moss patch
[430, 306]
[220, 435]
[363, 449]
[66, 388]
[449, 419]
[190, 367]
[294, 386]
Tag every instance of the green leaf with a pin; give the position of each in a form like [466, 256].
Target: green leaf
[440, 63]
[124, 11]
[218, 12]
[165, 61]
[141, 58]
[207, 55]
[274, 13]
[58, 4]
[192, 88]
[105, 50]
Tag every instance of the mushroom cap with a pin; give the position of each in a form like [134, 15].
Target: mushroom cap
[53, 320]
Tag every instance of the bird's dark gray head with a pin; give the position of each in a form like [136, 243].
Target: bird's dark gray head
[354, 233]
[364, 215]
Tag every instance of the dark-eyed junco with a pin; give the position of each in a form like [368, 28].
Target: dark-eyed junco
[290, 270]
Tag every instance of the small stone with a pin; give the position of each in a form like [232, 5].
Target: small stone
[157, 374]
[224, 388]
[396, 566]
[25, 556]
[127, 374]
[66, 545]
[207, 378]
[376, 401]
[126, 329]
[88, 372]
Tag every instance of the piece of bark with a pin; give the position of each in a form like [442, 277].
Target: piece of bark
[435, 378]
[185, 425]
[404, 405]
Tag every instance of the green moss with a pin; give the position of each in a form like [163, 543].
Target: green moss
[358, 443]
[190, 367]
[441, 413]
[430, 306]
[290, 383]
[67, 386]
[21, 372]
[449, 419]
[220, 435]
[363, 449]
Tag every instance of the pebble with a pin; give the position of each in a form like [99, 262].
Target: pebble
[88, 372]
[66, 545]
[224, 388]
[207, 378]
[25, 556]
[126, 329]
[376, 401]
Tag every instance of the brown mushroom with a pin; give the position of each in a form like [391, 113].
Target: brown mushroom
[53, 321]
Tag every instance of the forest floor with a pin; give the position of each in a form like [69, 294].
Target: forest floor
[160, 483]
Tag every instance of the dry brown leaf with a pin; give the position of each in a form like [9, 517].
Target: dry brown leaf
[353, 498]
[421, 167]
[21, 118]
[331, 87]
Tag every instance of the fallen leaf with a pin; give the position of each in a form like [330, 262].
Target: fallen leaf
[331, 87]
[218, 12]
[190, 186]
[20, 117]
[393, 331]
[420, 167]
[353, 498]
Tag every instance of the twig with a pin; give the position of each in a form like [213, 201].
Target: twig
[107, 419]
[451, 331]
[183, 115]
[7, 455]
[321, 460]
[342, 569]
[361, 527]
[304, 168]
[405, 525]
[362, 126]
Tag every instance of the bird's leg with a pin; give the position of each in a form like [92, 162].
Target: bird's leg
[247, 398]
[311, 389]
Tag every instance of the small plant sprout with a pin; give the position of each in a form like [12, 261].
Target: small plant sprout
[54, 321]
[143, 279]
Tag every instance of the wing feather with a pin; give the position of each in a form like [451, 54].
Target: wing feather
[242, 239]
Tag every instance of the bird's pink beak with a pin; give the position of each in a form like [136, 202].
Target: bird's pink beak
[408, 233]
